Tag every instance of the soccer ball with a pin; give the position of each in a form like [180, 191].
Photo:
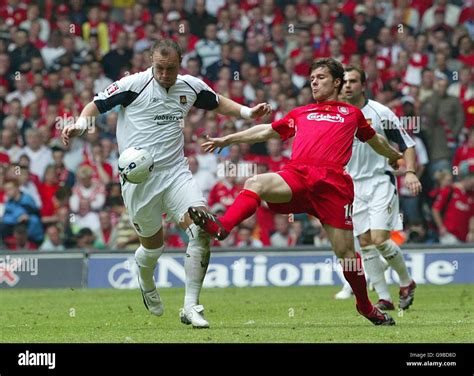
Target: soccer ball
[135, 165]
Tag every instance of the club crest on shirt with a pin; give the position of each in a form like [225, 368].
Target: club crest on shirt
[183, 100]
[112, 88]
[343, 110]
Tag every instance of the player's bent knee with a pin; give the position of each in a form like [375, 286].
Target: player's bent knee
[154, 241]
[254, 184]
[378, 240]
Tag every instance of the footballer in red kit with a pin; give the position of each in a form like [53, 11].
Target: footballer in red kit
[314, 181]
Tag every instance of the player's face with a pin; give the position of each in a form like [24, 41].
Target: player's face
[165, 68]
[352, 89]
[323, 85]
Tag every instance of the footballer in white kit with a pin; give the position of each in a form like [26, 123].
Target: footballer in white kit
[376, 202]
[153, 105]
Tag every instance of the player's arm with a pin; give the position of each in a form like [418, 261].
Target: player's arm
[411, 179]
[230, 108]
[397, 134]
[122, 92]
[257, 133]
[381, 146]
[84, 122]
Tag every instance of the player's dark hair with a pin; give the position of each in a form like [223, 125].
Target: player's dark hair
[164, 47]
[335, 69]
[361, 72]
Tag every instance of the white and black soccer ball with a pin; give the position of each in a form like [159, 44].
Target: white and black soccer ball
[135, 165]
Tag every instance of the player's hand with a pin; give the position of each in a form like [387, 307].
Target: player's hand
[260, 110]
[394, 161]
[412, 183]
[69, 132]
[213, 143]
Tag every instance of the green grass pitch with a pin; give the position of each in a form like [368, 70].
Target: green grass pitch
[236, 315]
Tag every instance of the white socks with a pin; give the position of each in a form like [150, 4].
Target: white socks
[374, 268]
[393, 254]
[146, 260]
[196, 262]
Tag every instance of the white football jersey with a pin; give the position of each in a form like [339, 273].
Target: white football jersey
[365, 162]
[151, 116]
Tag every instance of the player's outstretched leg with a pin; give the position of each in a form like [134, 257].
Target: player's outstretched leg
[245, 204]
[146, 260]
[195, 265]
[342, 242]
[393, 254]
[208, 222]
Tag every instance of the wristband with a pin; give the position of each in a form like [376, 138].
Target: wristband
[81, 124]
[412, 171]
[245, 112]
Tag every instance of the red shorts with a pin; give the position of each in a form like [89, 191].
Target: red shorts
[325, 191]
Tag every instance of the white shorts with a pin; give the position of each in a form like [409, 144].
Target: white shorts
[376, 205]
[172, 191]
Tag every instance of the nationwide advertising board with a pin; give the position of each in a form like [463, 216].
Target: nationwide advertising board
[293, 268]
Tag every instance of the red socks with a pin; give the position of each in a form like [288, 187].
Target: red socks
[245, 204]
[354, 274]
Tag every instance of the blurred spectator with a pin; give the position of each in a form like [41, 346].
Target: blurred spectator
[32, 16]
[453, 210]
[40, 155]
[282, 236]
[85, 239]
[22, 92]
[124, 236]
[65, 228]
[19, 241]
[8, 145]
[103, 171]
[52, 241]
[200, 18]
[442, 121]
[85, 217]
[87, 189]
[450, 12]
[47, 190]
[65, 177]
[29, 183]
[245, 238]
[104, 232]
[94, 26]
[465, 152]
[22, 52]
[204, 179]
[21, 209]
[209, 49]
[118, 60]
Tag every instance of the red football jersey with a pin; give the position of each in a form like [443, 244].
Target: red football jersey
[324, 132]
[458, 210]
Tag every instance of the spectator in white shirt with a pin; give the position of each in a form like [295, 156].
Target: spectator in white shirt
[40, 155]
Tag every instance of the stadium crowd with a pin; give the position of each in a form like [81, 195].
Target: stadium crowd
[54, 56]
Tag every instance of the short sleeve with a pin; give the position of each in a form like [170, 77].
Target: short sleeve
[286, 126]
[364, 131]
[121, 92]
[395, 131]
[206, 98]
